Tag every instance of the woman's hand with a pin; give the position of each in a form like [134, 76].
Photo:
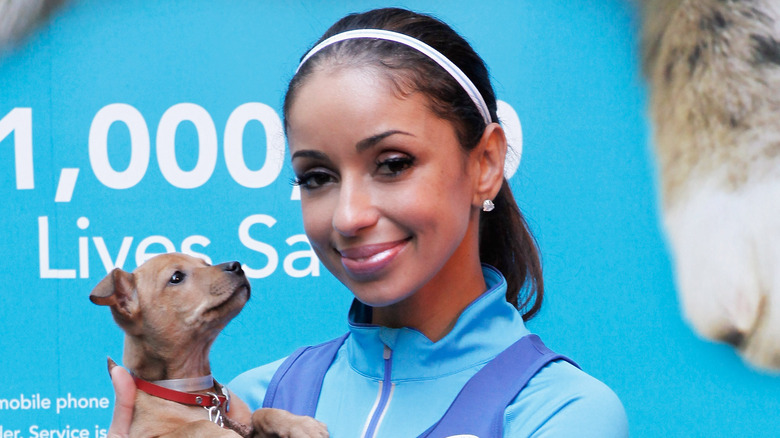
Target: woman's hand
[124, 400]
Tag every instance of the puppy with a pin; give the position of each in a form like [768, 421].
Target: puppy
[713, 68]
[172, 308]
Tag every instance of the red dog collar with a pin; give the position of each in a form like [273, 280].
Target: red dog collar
[205, 400]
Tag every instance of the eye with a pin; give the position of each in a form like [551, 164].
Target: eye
[177, 277]
[314, 179]
[394, 165]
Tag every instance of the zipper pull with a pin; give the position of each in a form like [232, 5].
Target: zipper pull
[387, 353]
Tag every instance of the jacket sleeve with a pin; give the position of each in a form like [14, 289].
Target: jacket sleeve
[562, 401]
[250, 386]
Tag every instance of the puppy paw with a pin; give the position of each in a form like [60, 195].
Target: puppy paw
[726, 251]
[277, 423]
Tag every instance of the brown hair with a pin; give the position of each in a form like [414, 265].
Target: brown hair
[505, 241]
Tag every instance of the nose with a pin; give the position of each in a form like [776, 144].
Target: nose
[233, 267]
[355, 209]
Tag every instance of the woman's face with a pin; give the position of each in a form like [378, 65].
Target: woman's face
[387, 193]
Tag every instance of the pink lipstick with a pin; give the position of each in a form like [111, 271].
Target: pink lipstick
[368, 260]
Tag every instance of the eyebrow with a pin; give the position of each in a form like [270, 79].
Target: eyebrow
[374, 139]
[309, 154]
[362, 145]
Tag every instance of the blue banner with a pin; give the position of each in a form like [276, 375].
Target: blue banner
[132, 128]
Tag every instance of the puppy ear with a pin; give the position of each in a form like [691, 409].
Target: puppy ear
[117, 290]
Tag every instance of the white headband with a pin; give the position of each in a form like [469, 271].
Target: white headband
[416, 44]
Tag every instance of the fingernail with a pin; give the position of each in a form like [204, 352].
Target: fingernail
[111, 365]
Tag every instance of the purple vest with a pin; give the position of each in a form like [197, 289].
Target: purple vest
[477, 410]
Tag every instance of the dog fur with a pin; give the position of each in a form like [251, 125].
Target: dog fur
[713, 68]
[172, 308]
[18, 18]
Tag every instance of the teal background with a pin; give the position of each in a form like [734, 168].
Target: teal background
[586, 182]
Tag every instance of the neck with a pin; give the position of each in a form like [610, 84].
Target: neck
[153, 364]
[435, 308]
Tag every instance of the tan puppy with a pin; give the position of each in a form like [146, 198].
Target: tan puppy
[172, 308]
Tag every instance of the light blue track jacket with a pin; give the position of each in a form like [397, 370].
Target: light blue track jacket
[395, 383]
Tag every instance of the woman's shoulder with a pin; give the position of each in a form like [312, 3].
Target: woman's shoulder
[562, 400]
[251, 386]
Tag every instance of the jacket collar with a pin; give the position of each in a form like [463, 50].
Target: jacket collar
[485, 328]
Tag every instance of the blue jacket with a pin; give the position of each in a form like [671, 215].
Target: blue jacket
[425, 377]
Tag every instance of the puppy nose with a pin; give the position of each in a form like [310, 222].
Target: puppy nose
[233, 267]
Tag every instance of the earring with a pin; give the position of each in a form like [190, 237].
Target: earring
[488, 205]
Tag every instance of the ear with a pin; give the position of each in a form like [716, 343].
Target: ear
[117, 290]
[490, 157]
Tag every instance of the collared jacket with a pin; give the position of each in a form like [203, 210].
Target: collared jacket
[391, 383]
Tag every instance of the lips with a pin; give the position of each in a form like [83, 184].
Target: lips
[368, 260]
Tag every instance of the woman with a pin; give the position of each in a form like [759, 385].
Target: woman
[391, 123]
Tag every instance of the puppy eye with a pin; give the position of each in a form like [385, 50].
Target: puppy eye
[177, 277]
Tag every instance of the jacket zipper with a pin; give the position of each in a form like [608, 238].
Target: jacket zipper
[383, 398]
